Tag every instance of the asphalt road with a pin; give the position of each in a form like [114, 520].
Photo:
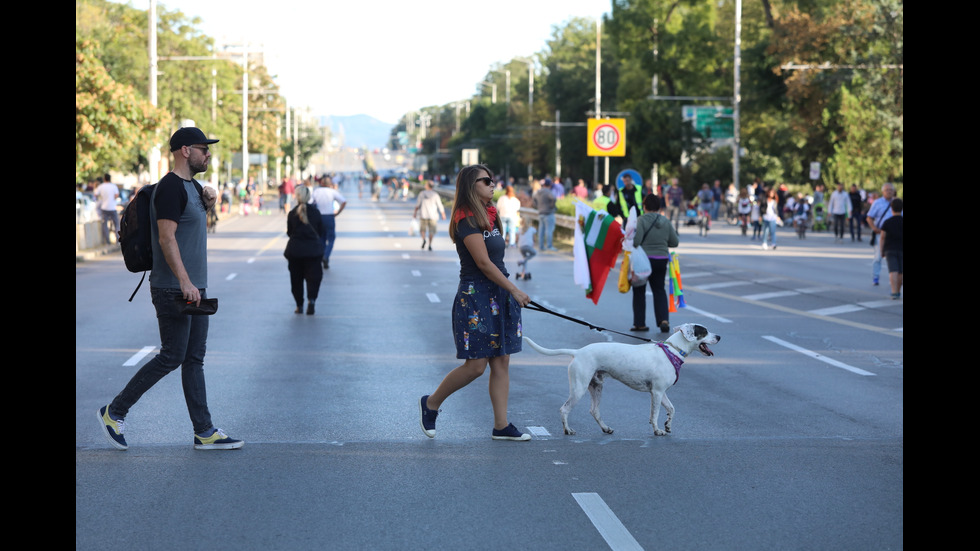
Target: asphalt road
[790, 437]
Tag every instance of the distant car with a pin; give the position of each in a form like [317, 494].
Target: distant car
[85, 208]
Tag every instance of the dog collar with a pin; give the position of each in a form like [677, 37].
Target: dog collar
[675, 360]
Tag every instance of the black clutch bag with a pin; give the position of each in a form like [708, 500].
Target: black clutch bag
[207, 307]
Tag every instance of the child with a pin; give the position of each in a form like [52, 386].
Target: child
[801, 215]
[756, 218]
[525, 244]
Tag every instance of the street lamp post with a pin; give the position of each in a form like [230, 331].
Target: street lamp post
[493, 96]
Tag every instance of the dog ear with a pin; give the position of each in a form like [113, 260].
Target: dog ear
[688, 331]
[700, 331]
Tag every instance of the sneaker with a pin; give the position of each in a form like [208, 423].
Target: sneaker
[875, 281]
[427, 418]
[665, 326]
[113, 428]
[217, 441]
[510, 433]
[896, 296]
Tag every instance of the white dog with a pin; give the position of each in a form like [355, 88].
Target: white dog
[651, 367]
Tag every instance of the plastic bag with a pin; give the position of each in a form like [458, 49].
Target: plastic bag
[413, 227]
[640, 268]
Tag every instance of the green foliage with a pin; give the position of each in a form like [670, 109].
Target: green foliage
[112, 122]
[117, 36]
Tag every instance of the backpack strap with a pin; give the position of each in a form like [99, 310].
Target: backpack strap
[137, 287]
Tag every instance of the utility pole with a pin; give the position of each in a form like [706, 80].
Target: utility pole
[558, 124]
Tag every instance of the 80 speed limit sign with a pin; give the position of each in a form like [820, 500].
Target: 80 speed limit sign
[607, 137]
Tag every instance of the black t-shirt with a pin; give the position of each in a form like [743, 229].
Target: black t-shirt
[468, 270]
[893, 233]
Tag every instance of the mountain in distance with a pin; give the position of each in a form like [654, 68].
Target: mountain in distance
[358, 131]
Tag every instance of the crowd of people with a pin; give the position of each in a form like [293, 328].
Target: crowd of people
[486, 312]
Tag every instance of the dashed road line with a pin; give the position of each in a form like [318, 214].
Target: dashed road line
[135, 358]
[606, 522]
[817, 356]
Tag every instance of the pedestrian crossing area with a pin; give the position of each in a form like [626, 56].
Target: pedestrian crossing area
[731, 287]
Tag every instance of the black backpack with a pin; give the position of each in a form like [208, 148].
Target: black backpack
[134, 234]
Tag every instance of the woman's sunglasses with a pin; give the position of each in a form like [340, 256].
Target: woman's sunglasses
[485, 180]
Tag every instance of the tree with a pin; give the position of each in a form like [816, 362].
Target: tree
[112, 121]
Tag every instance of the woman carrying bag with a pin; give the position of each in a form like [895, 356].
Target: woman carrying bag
[654, 234]
[304, 251]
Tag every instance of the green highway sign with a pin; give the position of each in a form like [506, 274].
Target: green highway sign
[711, 121]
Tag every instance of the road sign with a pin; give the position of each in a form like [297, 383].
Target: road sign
[711, 121]
[471, 157]
[607, 138]
[634, 175]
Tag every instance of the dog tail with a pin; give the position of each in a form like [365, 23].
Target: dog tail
[549, 351]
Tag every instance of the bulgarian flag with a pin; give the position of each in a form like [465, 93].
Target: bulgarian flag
[598, 242]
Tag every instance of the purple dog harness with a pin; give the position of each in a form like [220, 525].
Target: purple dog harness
[675, 360]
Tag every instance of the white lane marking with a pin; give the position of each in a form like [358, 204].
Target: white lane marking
[135, 359]
[231, 276]
[706, 314]
[398, 245]
[432, 297]
[834, 310]
[538, 431]
[416, 273]
[879, 303]
[820, 357]
[775, 294]
[724, 284]
[405, 256]
[609, 527]
[250, 260]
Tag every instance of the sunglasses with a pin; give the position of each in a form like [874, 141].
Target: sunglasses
[485, 180]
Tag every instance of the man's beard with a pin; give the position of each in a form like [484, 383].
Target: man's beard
[199, 167]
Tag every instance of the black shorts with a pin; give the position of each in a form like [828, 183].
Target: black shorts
[894, 261]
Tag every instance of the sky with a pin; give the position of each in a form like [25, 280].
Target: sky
[383, 58]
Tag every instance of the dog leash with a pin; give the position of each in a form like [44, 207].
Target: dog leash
[535, 306]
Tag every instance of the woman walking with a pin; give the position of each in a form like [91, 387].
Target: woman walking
[654, 234]
[487, 308]
[304, 250]
[770, 219]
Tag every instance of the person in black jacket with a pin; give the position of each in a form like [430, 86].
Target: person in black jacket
[304, 226]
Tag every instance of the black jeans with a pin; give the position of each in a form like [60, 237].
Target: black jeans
[183, 342]
[661, 311]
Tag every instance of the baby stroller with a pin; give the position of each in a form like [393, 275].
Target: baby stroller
[819, 217]
[691, 217]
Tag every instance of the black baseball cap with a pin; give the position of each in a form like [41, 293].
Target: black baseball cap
[188, 135]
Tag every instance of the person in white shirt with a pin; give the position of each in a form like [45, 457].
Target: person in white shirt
[840, 208]
[509, 210]
[324, 198]
[106, 197]
[429, 205]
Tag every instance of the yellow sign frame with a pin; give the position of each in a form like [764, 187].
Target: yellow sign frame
[599, 132]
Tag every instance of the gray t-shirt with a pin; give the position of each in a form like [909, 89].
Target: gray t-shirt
[179, 200]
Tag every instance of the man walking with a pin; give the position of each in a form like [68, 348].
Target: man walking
[430, 207]
[178, 225]
[324, 198]
[107, 195]
[544, 201]
[880, 211]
